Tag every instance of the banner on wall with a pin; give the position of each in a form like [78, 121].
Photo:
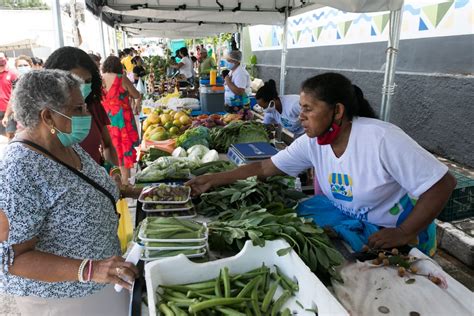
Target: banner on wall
[328, 26]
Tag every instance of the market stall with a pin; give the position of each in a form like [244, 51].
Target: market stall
[232, 221]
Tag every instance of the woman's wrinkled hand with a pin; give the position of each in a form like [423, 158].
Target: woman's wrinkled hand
[390, 237]
[201, 184]
[115, 271]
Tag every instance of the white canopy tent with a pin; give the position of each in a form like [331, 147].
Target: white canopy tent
[235, 13]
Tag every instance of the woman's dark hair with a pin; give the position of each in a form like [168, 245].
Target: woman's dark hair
[95, 58]
[334, 88]
[112, 64]
[184, 51]
[268, 92]
[121, 54]
[37, 61]
[136, 60]
[68, 58]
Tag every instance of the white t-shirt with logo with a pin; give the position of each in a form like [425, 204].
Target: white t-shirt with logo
[241, 78]
[380, 172]
[187, 68]
[289, 117]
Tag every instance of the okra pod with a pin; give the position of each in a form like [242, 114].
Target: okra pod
[280, 302]
[226, 279]
[215, 302]
[269, 296]
[192, 286]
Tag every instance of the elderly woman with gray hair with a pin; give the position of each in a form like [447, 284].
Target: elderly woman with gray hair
[58, 226]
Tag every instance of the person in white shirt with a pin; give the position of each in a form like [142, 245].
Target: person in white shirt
[369, 169]
[237, 83]
[280, 110]
[185, 66]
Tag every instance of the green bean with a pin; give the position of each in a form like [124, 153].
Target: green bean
[215, 302]
[191, 286]
[217, 288]
[197, 293]
[185, 301]
[248, 288]
[286, 312]
[176, 310]
[165, 310]
[255, 307]
[226, 279]
[174, 293]
[230, 311]
[269, 296]
[280, 302]
[289, 282]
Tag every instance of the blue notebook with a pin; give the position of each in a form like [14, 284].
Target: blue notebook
[255, 151]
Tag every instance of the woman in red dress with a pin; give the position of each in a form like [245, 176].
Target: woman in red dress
[116, 100]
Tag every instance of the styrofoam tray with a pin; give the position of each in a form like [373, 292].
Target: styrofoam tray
[142, 237]
[141, 198]
[179, 270]
[198, 255]
[146, 208]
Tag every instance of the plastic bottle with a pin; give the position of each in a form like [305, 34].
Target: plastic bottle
[212, 77]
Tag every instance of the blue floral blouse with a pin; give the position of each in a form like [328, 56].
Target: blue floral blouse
[70, 218]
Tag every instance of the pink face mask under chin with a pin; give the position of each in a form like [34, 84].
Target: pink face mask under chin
[329, 137]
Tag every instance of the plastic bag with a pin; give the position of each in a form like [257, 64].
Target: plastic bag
[125, 227]
[141, 87]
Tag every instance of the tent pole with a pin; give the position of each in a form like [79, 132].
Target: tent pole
[218, 54]
[284, 51]
[101, 30]
[58, 26]
[116, 40]
[388, 88]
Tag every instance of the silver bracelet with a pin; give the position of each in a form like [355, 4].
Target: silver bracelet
[80, 272]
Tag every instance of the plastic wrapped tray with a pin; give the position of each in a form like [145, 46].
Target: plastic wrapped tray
[144, 257]
[155, 207]
[148, 189]
[141, 236]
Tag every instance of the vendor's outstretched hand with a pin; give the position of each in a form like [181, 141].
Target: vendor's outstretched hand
[200, 184]
[389, 238]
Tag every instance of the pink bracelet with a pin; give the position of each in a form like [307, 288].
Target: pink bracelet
[89, 272]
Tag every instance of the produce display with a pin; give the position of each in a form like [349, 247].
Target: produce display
[232, 228]
[213, 167]
[167, 237]
[164, 124]
[208, 121]
[167, 168]
[250, 192]
[237, 132]
[194, 136]
[152, 154]
[164, 193]
[250, 293]
[158, 229]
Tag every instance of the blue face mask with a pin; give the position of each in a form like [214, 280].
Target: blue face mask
[80, 127]
[230, 65]
[86, 89]
[23, 70]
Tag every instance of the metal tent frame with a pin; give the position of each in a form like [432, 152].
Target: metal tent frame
[200, 18]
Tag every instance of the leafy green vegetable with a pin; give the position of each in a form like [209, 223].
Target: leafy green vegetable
[250, 192]
[259, 224]
[167, 168]
[237, 132]
[153, 154]
[213, 167]
[194, 136]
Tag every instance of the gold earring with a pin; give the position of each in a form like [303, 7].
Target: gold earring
[53, 131]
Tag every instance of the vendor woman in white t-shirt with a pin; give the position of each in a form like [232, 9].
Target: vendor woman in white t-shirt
[369, 169]
[280, 110]
[237, 83]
